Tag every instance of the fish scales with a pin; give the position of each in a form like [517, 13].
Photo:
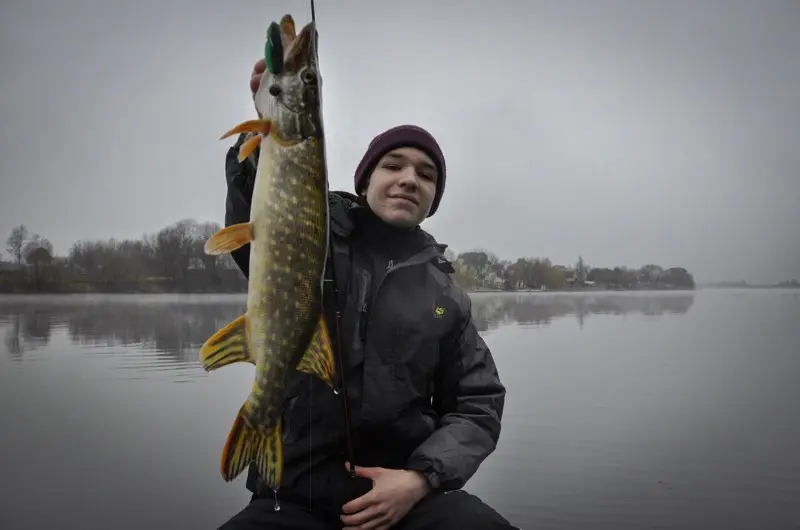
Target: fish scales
[283, 327]
[285, 305]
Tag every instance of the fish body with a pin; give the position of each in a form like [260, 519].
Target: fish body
[283, 327]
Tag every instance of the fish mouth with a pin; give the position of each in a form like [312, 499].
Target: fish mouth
[300, 52]
[283, 105]
[296, 119]
[295, 107]
[292, 97]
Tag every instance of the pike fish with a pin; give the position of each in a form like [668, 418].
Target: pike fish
[283, 327]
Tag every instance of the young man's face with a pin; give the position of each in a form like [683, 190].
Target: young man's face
[402, 187]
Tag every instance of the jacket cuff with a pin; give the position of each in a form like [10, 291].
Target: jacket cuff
[428, 472]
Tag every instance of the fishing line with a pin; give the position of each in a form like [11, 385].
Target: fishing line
[328, 277]
[310, 382]
[333, 277]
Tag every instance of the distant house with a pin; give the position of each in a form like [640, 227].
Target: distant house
[493, 281]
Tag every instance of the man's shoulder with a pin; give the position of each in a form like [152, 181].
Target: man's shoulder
[341, 200]
[340, 205]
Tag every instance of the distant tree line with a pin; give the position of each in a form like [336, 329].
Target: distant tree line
[172, 260]
[482, 270]
[741, 284]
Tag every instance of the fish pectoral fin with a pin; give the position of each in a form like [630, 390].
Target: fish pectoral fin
[246, 444]
[256, 126]
[227, 346]
[229, 239]
[249, 146]
[318, 359]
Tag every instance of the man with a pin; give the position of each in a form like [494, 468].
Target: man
[424, 400]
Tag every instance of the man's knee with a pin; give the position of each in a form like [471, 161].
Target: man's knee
[454, 510]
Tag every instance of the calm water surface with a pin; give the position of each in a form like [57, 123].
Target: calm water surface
[624, 411]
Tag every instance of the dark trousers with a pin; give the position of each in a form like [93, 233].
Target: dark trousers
[454, 510]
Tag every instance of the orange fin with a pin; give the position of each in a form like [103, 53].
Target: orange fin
[227, 346]
[245, 445]
[318, 359]
[256, 126]
[229, 239]
[248, 146]
[288, 31]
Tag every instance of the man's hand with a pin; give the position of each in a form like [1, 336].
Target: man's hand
[394, 492]
[258, 72]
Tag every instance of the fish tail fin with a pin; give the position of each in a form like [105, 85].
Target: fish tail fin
[246, 444]
[227, 346]
[318, 359]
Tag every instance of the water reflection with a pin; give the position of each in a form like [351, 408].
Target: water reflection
[176, 326]
[689, 423]
[26, 332]
[173, 327]
[491, 310]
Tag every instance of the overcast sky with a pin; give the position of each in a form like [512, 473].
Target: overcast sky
[629, 132]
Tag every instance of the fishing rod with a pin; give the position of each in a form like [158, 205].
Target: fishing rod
[333, 282]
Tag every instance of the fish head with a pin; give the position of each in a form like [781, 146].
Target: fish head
[290, 90]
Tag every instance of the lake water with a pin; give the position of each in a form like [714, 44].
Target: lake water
[624, 411]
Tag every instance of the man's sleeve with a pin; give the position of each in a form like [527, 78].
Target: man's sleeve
[469, 399]
[240, 177]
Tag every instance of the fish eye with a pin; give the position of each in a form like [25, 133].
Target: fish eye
[308, 76]
[273, 49]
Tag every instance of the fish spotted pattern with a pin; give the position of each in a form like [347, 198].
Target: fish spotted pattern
[283, 327]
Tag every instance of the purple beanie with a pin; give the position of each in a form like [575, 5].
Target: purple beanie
[403, 136]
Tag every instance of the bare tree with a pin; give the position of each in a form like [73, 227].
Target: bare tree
[15, 243]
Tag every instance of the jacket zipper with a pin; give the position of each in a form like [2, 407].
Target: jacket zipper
[417, 259]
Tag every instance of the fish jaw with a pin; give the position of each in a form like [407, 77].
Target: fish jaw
[290, 99]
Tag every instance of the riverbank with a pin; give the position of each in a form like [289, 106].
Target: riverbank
[132, 292]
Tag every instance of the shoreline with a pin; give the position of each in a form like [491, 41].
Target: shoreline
[244, 293]
[589, 289]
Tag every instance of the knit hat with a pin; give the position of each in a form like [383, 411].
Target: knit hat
[403, 136]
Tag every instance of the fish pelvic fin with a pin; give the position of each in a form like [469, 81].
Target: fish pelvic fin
[229, 239]
[254, 126]
[227, 346]
[246, 445]
[318, 359]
